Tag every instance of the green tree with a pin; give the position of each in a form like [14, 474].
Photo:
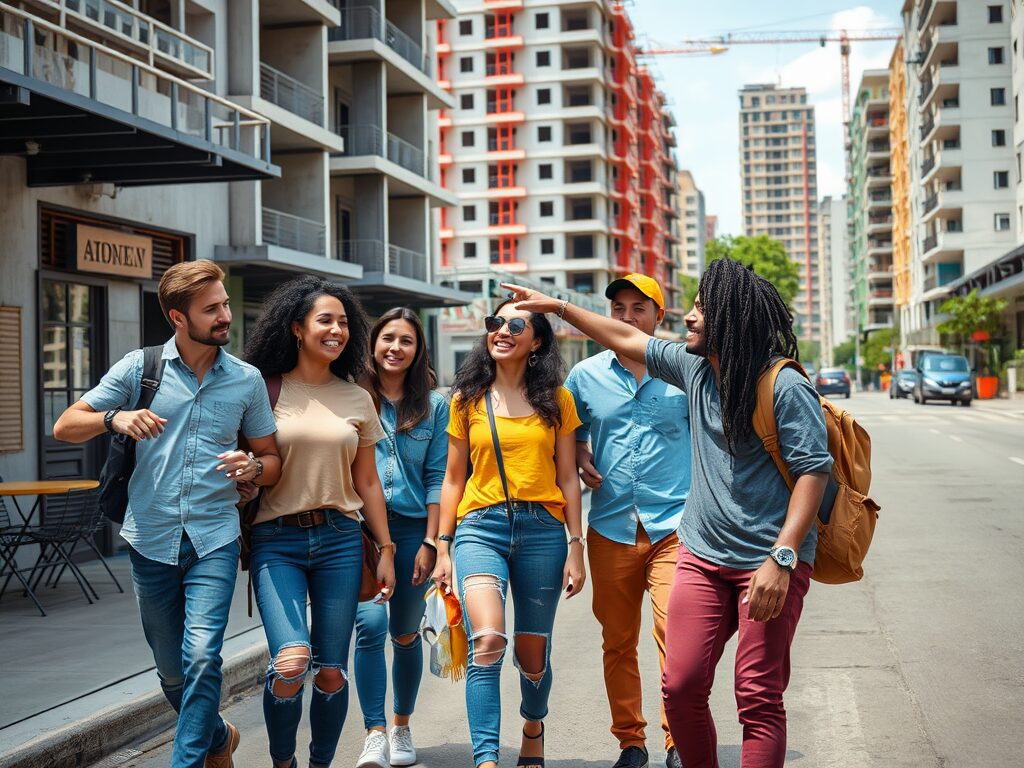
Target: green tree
[877, 350]
[842, 354]
[810, 351]
[972, 313]
[688, 285]
[768, 258]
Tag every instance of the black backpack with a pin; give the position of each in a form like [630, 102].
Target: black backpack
[117, 469]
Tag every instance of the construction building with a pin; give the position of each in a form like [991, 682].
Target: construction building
[778, 172]
[694, 225]
[559, 152]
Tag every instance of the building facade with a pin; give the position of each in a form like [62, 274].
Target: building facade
[900, 171]
[694, 225]
[959, 126]
[559, 152]
[833, 251]
[870, 206]
[778, 172]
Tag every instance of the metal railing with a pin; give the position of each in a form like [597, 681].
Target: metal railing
[375, 256]
[926, 90]
[929, 242]
[927, 126]
[291, 94]
[294, 232]
[927, 165]
[127, 23]
[930, 203]
[365, 22]
[374, 140]
[74, 62]
[922, 16]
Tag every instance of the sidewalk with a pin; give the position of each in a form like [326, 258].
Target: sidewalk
[80, 682]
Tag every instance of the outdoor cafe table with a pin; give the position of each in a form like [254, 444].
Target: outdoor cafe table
[37, 488]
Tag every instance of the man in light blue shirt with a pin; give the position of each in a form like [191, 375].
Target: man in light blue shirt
[181, 520]
[640, 474]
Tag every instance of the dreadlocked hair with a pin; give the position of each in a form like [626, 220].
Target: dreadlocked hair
[746, 326]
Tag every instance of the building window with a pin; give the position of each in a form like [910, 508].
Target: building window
[997, 97]
[543, 133]
[543, 58]
[466, 101]
[469, 213]
[999, 138]
[466, 27]
[544, 96]
[995, 55]
[995, 14]
[1002, 222]
[469, 175]
[547, 208]
[544, 171]
[1001, 179]
[547, 246]
[577, 96]
[581, 208]
[466, 64]
[583, 247]
[468, 139]
[469, 250]
[579, 133]
[542, 20]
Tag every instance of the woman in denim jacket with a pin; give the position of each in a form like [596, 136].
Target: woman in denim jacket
[411, 463]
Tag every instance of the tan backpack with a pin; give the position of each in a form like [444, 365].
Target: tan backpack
[844, 540]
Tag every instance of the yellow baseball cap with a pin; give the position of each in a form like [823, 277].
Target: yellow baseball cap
[648, 286]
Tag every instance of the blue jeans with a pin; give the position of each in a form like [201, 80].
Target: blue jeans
[184, 610]
[527, 555]
[406, 608]
[288, 564]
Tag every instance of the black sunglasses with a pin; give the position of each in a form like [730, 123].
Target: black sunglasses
[494, 322]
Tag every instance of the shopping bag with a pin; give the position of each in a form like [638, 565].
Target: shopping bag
[444, 631]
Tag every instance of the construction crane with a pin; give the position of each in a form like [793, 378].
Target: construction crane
[716, 45]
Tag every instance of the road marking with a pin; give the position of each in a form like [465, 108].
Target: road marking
[954, 437]
[1017, 459]
[935, 431]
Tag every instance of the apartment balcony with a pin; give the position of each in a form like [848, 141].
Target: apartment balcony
[370, 149]
[938, 278]
[130, 31]
[944, 166]
[878, 176]
[936, 13]
[880, 298]
[878, 224]
[879, 271]
[86, 107]
[939, 86]
[944, 204]
[942, 123]
[942, 246]
[366, 35]
[291, 94]
[877, 149]
[377, 256]
[503, 41]
[393, 275]
[943, 47]
[876, 126]
[286, 230]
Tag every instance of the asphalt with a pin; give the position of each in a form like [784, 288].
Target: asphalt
[920, 664]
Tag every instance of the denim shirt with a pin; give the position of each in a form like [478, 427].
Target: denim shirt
[640, 436]
[412, 465]
[175, 487]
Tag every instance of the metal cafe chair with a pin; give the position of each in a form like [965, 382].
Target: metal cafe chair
[11, 538]
[92, 522]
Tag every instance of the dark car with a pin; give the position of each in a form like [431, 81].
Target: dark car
[943, 377]
[902, 383]
[832, 381]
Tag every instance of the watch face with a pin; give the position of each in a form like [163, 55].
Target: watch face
[784, 556]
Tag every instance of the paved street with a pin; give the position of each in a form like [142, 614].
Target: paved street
[919, 665]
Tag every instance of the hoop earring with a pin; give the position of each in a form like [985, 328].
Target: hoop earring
[532, 360]
[298, 342]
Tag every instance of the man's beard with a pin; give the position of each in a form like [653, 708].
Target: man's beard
[209, 339]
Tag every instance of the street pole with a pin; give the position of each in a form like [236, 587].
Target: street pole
[856, 357]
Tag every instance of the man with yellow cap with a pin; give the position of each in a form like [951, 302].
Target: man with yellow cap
[639, 471]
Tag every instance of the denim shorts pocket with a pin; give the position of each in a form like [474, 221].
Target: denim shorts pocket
[546, 519]
[414, 445]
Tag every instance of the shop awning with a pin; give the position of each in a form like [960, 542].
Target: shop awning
[1003, 276]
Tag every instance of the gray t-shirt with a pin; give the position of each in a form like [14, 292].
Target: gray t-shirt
[738, 503]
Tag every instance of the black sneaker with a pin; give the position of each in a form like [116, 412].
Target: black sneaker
[632, 757]
[672, 759]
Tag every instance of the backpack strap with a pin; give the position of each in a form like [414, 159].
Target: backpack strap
[152, 371]
[765, 425]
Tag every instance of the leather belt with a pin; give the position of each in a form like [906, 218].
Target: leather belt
[308, 519]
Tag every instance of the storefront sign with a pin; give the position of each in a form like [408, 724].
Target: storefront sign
[113, 253]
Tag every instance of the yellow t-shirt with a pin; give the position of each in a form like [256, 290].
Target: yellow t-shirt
[319, 430]
[527, 449]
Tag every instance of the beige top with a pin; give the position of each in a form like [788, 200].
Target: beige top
[319, 429]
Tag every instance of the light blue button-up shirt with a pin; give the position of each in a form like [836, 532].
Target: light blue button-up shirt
[176, 486]
[411, 466]
[640, 436]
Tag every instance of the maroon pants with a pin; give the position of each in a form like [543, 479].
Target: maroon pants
[705, 610]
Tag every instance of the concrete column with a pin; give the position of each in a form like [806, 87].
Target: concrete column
[244, 64]
[370, 217]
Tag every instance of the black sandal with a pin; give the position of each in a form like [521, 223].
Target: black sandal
[533, 762]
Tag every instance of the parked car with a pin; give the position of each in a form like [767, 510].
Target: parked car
[943, 377]
[902, 383]
[832, 381]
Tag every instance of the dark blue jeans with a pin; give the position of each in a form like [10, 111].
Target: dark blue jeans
[325, 565]
[528, 556]
[401, 615]
[184, 610]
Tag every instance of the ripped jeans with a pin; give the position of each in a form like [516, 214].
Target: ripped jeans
[288, 563]
[492, 556]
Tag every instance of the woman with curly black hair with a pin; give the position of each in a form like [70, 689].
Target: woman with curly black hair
[515, 423]
[310, 344]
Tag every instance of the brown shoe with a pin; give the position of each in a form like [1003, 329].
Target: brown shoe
[222, 759]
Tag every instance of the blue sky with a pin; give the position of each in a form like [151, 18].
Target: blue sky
[703, 90]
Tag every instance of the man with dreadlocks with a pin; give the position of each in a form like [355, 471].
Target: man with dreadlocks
[747, 543]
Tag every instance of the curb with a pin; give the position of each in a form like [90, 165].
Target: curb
[101, 734]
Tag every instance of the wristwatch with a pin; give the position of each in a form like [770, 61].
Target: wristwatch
[785, 557]
[446, 538]
[108, 420]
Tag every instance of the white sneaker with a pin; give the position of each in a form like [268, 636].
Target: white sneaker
[402, 750]
[375, 751]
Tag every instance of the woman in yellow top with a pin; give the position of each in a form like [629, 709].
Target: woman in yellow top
[514, 374]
